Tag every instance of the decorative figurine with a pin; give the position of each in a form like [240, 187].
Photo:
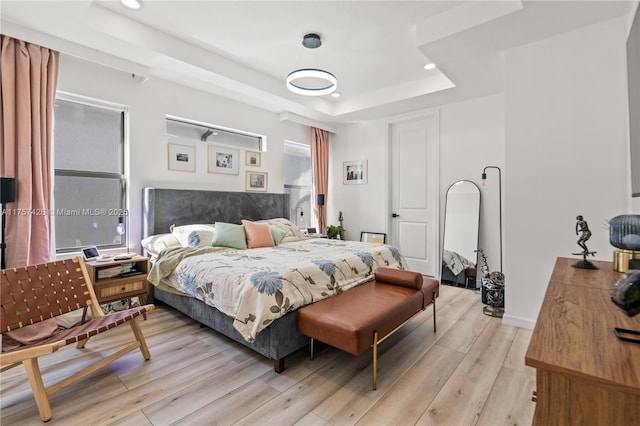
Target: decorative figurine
[341, 225]
[582, 229]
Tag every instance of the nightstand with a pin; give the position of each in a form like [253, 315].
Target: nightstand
[119, 279]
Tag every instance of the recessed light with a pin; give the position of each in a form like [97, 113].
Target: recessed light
[335, 95]
[132, 4]
[429, 66]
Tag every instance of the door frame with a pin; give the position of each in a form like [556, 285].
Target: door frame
[432, 116]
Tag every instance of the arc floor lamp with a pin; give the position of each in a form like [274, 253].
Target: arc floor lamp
[493, 285]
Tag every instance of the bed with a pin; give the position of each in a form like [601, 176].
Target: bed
[457, 270]
[268, 284]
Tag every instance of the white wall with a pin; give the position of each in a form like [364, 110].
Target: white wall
[149, 102]
[566, 154]
[559, 134]
[364, 207]
[471, 137]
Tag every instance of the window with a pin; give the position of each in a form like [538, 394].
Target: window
[298, 183]
[194, 131]
[90, 189]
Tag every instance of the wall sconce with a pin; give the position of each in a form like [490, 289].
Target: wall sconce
[301, 215]
[120, 227]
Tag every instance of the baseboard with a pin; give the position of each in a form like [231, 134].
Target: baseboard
[518, 322]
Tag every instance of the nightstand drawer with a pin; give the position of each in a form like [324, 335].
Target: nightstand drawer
[117, 289]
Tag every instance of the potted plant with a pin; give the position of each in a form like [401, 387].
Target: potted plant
[333, 231]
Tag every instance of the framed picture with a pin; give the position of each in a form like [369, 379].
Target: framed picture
[373, 237]
[354, 172]
[223, 160]
[256, 181]
[182, 157]
[253, 158]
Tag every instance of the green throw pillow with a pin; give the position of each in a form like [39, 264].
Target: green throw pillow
[230, 235]
[277, 234]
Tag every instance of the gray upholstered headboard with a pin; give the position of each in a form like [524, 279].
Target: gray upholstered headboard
[163, 207]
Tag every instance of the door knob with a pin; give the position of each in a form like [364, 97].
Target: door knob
[395, 215]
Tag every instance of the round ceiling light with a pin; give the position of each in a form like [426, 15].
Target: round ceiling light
[311, 82]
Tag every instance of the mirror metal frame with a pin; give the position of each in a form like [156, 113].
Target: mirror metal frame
[444, 228]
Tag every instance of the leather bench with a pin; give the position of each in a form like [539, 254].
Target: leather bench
[364, 316]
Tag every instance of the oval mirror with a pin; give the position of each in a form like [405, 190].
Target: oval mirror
[461, 226]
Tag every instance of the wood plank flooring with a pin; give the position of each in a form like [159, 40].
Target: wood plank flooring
[470, 372]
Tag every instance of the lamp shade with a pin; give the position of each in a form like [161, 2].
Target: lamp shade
[7, 190]
[320, 200]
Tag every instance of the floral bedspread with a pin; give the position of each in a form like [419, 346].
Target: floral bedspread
[259, 285]
[455, 262]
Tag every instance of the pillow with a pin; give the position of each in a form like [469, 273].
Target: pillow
[398, 277]
[197, 235]
[230, 235]
[277, 234]
[156, 243]
[290, 230]
[258, 234]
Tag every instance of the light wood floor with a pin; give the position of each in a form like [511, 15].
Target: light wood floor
[470, 372]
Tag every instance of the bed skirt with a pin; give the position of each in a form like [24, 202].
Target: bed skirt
[275, 342]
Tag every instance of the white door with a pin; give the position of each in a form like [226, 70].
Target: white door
[414, 192]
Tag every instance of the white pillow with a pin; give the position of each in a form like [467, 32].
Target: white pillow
[196, 235]
[156, 243]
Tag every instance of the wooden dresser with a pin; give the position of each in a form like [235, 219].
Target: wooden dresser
[585, 375]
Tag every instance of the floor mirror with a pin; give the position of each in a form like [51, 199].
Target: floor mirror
[461, 229]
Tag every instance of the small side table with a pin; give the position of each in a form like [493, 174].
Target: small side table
[126, 286]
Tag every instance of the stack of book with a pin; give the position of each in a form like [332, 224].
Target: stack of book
[119, 270]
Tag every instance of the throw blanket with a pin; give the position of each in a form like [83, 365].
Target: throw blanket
[257, 286]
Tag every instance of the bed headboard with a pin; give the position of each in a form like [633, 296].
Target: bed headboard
[162, 208]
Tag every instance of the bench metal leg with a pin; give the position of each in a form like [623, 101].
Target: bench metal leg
[312, 349]
[434, 313]
[375, 360]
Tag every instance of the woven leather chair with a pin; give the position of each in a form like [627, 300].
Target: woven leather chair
[35, 293]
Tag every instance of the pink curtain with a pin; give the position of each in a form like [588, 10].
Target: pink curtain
[28, 78]
[320, 166]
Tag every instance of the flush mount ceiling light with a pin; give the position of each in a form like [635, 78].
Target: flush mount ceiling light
[132, 4]
[311, 81]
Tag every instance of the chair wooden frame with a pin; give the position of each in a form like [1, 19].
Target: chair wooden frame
[35, 293]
